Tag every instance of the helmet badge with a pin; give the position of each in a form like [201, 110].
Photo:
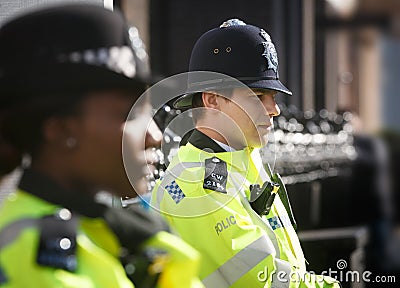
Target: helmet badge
[232, 22]
[269, 51]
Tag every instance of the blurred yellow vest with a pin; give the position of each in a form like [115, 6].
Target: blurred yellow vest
[97, 252]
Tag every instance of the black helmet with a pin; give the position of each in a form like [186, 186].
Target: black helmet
[75, 47]
[244, 52]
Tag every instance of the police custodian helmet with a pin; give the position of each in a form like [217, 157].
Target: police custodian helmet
[72, 47]
[244, 52]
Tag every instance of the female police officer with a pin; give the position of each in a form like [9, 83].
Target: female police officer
[68, 77]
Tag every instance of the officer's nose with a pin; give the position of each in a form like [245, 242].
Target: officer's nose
[274, 111]
[271, 107]
[153, 135]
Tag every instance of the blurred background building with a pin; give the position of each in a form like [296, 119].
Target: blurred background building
[341, 59]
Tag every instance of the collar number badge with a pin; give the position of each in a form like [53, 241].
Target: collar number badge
[215, 175]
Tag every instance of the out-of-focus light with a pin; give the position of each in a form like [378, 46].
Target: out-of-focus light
[344, 8]
[346, 77]
[109, 4]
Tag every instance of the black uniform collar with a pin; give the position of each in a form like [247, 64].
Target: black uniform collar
[202, 141]
[40, 185]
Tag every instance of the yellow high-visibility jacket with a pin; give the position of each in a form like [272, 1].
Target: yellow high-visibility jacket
[97, 251]
[204, 197]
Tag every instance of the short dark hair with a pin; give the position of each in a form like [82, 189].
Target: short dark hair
[197, 102]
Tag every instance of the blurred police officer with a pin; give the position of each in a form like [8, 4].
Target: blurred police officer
[68, 79]
[216, 194]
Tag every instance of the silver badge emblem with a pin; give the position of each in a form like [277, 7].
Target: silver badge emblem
[269, 51]
[265, 35]
[232, 22]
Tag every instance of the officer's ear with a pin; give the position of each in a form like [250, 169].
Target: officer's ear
[58, 131]
[212, 100]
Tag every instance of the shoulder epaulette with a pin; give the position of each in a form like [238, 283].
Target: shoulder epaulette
[57, 245]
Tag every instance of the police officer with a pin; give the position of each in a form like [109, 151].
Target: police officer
[216, 192]
[68, 78]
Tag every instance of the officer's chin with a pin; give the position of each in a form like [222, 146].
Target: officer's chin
[263, 138]
[259, 141]
[131, 188]
[141, 187]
